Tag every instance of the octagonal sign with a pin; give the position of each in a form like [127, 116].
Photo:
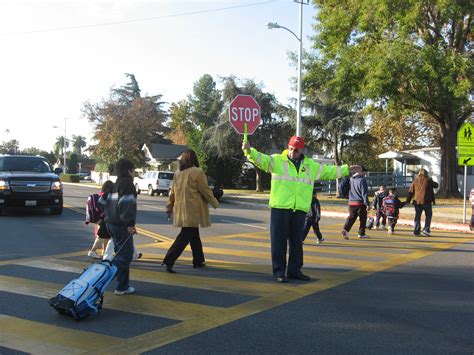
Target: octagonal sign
[244, 109]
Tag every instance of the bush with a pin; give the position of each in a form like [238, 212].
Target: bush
[70, 178]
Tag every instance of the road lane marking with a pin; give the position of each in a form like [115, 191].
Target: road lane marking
[161, 337]
[151, 306]
[157, 277]
[266, 255]
[40, 338]
[243, 224]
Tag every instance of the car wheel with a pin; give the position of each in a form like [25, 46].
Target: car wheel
[57, 210]
[138, 189]
[150, 191]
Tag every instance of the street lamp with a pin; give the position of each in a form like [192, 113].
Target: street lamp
[272, 25]
[64, 145]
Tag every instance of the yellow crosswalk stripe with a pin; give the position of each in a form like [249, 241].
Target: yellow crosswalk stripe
[160, 276]
[40, 338]
[130, 303]
[266, 255]
[322, 248]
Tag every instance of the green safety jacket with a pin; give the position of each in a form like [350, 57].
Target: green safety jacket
[291, 189]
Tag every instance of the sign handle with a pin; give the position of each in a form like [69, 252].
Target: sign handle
[245, 133]
[465, 194]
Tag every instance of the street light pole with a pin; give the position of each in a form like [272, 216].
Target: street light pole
[271, 25]
[64, 143]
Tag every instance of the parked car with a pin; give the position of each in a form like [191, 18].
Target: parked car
[29, 182]
[217, 190]
[84, 174]
[154, 182]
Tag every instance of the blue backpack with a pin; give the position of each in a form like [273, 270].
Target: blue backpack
[84, 296]
[344, 187]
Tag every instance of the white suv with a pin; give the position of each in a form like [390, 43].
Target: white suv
[154, 182]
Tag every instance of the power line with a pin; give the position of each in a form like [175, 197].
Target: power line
[189, 13]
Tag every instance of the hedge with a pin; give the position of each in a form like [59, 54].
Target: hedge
[70, 178]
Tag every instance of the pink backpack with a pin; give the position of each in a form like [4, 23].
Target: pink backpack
[94, 210]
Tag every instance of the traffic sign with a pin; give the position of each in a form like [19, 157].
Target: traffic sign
[465, 137]
[464, 160]
[244, 110]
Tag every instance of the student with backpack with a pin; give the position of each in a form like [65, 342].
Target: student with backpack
[377, 206]
[95, 214]
[391, 208]
[120, 216]
[312, 219]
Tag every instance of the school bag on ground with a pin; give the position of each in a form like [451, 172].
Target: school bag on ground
[94, 210]
[344, 187]
[84, 296]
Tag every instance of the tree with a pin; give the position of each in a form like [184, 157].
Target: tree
[59, 146]
[10, 147]
[403, 55]
[226, 146]
[125, 122]
[78, 143]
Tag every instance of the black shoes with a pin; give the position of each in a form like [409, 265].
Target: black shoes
[280, 279]
[196, 266]
[169, 268]
[300, 277]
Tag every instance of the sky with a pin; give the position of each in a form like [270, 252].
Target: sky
[56, 55]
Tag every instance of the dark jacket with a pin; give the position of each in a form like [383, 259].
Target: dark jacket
[314, 213]
[421, 191]
[391, 206]
[378, 199]
[121, 203]
[359, 191]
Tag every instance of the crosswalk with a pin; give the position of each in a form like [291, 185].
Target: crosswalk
[236, 283]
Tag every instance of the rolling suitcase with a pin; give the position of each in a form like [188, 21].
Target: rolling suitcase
[83, 297]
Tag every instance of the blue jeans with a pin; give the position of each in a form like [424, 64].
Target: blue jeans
[428, 213]
[286, 227]
[123, 259]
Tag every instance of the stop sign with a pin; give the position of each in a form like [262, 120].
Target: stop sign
[244, 109]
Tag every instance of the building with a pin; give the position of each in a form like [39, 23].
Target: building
[408, 162]
[163, 156]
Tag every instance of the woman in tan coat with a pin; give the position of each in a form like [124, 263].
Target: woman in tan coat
[188, 201]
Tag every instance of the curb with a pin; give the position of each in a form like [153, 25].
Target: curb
[456, 227]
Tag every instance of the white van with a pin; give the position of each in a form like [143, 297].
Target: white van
[154, 182]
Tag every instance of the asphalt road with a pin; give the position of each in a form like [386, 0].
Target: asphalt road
[389, 294]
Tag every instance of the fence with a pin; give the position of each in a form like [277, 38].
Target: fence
[374, 180]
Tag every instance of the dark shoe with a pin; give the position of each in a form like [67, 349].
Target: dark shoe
[169, 268]
[300, 277]
[196, 266]
[281, 279]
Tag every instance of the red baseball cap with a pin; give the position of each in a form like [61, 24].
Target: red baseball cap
[296, 142]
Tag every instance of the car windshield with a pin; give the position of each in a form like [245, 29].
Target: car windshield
[165, 176]
[33, 164]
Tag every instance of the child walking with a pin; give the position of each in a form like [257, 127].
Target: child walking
[377, 205]
[391, 208]
[312, 219]
[100, 229]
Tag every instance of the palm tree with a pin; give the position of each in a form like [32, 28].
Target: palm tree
[59, 146]
[78, 142]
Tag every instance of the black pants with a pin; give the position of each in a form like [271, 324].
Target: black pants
[186, 236]
[354, 212]
[380, 215]
[311, 223]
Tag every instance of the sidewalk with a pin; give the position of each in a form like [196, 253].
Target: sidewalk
[441, 219]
